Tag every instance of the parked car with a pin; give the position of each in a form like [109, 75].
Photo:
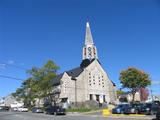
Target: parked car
[55, 110]
[37, 110]
[22, 109]
[158, 114]
[150, 108]
[14, 109]
[4, 108]
[120, 109]
[134, 108]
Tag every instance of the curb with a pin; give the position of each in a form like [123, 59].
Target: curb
[92, 112]
[134, 115]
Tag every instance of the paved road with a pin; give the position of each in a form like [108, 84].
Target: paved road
[35, 116]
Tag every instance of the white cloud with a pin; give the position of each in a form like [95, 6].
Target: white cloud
[156, 82]
[10, 62]
[2, 66]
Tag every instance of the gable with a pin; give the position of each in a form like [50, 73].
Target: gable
[96, 65]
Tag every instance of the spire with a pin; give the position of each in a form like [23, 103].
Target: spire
[88, 37]
[89, 49]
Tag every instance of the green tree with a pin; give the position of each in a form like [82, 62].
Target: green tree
[38, 85]
[134, 79]
[119, 92]
[25, 93]
[42, 77]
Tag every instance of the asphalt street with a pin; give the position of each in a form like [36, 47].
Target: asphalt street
[35, 116]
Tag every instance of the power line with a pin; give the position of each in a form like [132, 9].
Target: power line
[9, 77]
[16, 66]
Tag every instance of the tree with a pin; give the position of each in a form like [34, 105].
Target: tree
[25, 93]
[144, 94]
[42, 78]
[134, 79]
[38, 85]
[119, 92]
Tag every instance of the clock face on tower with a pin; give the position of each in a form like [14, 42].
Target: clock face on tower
[89, 48]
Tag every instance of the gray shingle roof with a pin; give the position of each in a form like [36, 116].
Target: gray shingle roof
[73, 73]
[56, 80]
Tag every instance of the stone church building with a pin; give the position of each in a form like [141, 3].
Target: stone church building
[88, 81]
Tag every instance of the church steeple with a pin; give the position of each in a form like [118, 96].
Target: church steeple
[89, 49]
[88, 37]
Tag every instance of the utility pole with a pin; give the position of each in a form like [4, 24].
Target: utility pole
[151, 93]
[73, 78]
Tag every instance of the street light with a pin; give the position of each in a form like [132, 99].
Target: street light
[73, 78]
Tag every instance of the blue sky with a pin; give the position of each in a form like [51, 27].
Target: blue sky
[125, 32]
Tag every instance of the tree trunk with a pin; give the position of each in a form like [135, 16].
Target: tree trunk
[38, 102]
[133, 93]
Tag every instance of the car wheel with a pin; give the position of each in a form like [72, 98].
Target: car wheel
[151, 113]
[158, 118]
[121, 112]
[136, 111]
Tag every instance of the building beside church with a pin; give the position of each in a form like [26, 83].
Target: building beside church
[88, 81]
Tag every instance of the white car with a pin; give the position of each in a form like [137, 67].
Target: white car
[15, 109]
[23, 109]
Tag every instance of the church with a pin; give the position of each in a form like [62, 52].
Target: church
[88, 81]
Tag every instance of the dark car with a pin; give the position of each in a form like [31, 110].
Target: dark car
[134, 108]
[37, 110]
[55, 110]
[120, 109]
[4, 108]
[150, 108]
[158, 114]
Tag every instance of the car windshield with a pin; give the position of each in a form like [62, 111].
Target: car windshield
[136, 105]
[122, 105]
[148, 105]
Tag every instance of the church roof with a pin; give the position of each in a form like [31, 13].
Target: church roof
[72, 73]
[75, 72]
[56, 80]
